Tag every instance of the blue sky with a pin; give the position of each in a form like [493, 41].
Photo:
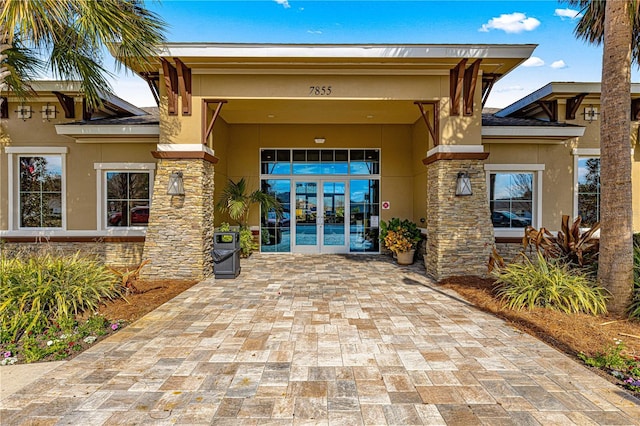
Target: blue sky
[549, 24]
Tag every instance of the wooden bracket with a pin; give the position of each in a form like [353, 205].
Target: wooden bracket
[488, 80]
[433, 128]
[456, 82]
[86, 111]
[573, 104]
[153, 80]
[550, 108]
[4, 107]
[171, 84]
[207, 126]
[184, 84]
[67, 104]
[470, 81]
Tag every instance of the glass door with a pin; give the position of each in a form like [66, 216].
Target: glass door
[319, 221]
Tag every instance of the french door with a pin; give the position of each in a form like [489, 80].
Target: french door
[319, 224]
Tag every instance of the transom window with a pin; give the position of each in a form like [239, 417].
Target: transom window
[320, 161]
[40, 191]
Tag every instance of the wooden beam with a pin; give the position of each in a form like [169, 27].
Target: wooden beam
[86, 111]
[207, 126]
[153, 79]
[433, 129]
[488, 80]
[550, 108]
[456, 83]
[573, 104]
[470, 81]
[171, 84]
[4, 107]
[635, 109]
[184, 85]
[67, 103]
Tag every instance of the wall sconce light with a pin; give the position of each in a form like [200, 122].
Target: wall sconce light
[590, 114]
[319, 140]
[24, 111]
[176, 184]
[463, 184]
[48, 112]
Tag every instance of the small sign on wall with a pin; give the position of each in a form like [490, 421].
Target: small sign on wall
[386, 205]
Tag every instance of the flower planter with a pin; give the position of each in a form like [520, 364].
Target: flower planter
[406, 258]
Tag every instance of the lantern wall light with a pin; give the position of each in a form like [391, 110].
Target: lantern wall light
[176, 184]
[463, 184]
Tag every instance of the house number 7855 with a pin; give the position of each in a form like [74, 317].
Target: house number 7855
[319, 90]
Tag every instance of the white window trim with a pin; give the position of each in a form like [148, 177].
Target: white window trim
[537, 170]
[13, 202]
[101, 191]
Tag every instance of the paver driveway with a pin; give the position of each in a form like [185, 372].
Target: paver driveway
[315, 340]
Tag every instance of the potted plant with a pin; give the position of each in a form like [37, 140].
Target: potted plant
[401, 237]
[236, 202]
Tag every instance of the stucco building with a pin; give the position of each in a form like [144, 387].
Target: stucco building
[344, 135]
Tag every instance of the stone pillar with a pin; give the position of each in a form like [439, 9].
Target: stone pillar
[180, 233]
[460, 232]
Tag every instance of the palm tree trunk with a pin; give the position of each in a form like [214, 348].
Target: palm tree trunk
[615, 271]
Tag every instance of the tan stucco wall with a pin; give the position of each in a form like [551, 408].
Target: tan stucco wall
[80, 173]
[557, 178]
[394, 142]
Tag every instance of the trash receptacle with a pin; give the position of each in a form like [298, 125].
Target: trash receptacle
[226, 254]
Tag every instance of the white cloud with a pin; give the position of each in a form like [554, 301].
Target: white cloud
[314, 32]
[533, 61]
[568, 13]
[558, 65]
[511, 23]
[284, 3]
[515, 88]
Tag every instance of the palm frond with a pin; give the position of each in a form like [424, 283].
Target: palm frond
[22, 66]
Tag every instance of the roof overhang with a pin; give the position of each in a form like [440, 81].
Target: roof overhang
[496, 59]
[561, 91]
[532, 132]
[84, 133]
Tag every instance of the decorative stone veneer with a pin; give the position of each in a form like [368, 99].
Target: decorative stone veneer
[180, 232]
[116, 254]
[459, 230]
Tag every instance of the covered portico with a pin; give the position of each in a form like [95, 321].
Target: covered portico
[404, 118]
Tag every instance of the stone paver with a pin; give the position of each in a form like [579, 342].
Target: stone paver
[340, 340]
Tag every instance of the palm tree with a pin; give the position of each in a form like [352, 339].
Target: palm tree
[70, 36]
[615, 25]
[237, 202]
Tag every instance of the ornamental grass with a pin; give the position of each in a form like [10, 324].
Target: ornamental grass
[548, 284]
[41, 290]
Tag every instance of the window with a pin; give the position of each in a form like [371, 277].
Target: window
[275, 231]
[40, 191]
[126, 192]
[514, 196]
[320, 162]
[588, 188]
[37, 187]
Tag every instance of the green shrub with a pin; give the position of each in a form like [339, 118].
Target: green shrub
[41, 290]
[548, 284]
[247, 244]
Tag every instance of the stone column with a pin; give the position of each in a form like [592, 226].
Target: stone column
[180, 234]
[460, 232]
